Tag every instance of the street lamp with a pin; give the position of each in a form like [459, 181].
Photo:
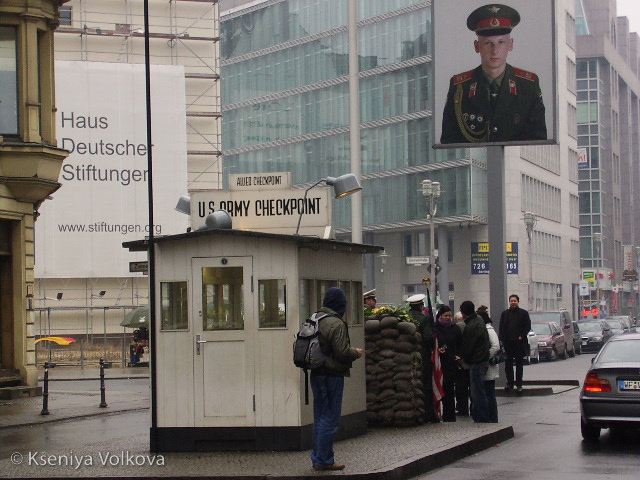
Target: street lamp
[597, 241]
[530, 220]
[431, 192]
[342, 186]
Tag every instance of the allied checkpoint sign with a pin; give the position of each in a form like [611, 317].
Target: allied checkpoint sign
[462, 111]
[480, 258]
[265, 202]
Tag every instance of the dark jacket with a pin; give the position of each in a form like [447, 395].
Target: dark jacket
[475, 340]
[450, 338]
[425, 325]
[335, 344]
[518, 114]
[510, 341]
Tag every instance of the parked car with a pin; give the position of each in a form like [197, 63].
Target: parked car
[594, 334]
[617, 326]
[610, 395]
[551, 343]
[563, 319]
[577, 337]
[628, 325]
[534, 352]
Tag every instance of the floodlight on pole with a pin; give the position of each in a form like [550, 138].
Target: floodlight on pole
[184, 204]
[530, 221]
[343, 186]
[431, 192]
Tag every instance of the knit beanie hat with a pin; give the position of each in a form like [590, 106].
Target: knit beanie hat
[467, 307]
[336, 300]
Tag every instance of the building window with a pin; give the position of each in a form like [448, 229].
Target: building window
[570, 26]
[571, 75]
[174, 311]
[312, 293]
[65, 15]
[572, 119]
[272, 303]
[9, 81]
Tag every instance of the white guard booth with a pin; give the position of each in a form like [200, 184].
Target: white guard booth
[229, 303]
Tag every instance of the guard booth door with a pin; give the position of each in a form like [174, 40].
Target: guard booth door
[223, 345]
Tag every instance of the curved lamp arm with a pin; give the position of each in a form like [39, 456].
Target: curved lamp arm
[343, 185]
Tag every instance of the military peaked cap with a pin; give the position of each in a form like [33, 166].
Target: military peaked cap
[493, 19]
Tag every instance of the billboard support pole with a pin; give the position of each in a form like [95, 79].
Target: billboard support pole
[497, 225]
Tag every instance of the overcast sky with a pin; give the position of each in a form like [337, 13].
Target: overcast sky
[631, 10]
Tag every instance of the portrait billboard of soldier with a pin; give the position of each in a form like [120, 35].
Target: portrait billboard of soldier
[494, 68]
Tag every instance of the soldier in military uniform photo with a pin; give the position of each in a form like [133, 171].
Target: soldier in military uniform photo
[494, 102]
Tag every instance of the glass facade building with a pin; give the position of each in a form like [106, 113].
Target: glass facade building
[285, 97]
[285, 108]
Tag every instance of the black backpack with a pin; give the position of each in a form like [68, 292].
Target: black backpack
[306, 349]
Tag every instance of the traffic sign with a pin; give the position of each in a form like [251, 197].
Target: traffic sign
[584, 288]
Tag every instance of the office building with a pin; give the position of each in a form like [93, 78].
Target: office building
[608, 90]
[285, 104]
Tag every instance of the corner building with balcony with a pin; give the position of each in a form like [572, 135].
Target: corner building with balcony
[285, 104]
[30, 163]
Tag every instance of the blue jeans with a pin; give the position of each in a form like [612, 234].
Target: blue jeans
[327, 406]
[479, 404]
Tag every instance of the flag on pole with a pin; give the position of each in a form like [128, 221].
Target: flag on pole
[436, 373]
[436, 379]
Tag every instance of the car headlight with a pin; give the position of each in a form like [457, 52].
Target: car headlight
[597, 339]
[542, 344]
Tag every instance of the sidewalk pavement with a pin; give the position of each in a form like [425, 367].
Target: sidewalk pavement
[86, 441]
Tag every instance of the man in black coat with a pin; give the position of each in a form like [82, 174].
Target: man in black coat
[515, 325]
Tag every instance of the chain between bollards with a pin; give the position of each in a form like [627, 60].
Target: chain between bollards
[45, 391]
[103, 403]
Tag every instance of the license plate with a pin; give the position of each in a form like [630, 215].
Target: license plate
[629, 384]
[584, 342]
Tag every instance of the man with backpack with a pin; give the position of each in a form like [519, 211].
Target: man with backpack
[327, 381]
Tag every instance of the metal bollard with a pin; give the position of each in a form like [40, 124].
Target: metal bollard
[102, 399]
[45, 391]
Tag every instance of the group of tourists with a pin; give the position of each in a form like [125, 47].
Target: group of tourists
[464, 346]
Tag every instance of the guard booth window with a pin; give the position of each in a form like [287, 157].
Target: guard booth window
[312, 292]
[174, 312]
[222, 298]
[272, 303]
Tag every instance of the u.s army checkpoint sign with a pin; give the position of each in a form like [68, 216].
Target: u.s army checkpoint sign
[266, 203]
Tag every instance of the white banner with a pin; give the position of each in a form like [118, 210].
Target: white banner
[101, 120]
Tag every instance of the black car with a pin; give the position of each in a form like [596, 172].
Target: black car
[577, 337]
[594, 334]
[610, 395]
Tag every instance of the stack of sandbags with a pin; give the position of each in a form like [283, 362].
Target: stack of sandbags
[394, 373]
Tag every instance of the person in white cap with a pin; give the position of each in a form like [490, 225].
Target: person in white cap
[370, 299]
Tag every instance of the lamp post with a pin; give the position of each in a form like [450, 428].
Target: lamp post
[342, 186]
[530, 220]
[431, 192]
[597, 240]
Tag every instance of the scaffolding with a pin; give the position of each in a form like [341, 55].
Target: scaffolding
[181, 32]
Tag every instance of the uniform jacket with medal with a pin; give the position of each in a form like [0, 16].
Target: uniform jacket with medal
[518, 113]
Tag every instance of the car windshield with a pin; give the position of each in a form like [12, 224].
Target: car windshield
[614, 323]
[590, 327]
[541, 328]
[541, 317]
[621, 351]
